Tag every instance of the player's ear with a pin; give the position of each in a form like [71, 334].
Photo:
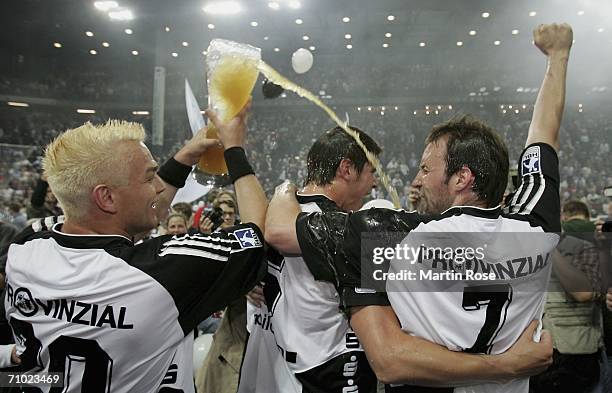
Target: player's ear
[104, 199]
[345, 169]
[463, 179]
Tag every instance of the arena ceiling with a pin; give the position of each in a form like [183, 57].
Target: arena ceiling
[344, 33]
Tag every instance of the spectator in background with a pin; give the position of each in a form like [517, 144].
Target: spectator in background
[572, 312]
[176, 224]
[43, 203]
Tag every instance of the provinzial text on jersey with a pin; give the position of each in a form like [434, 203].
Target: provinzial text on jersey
[73, 311]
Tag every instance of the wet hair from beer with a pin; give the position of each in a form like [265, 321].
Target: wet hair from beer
[331, 148]
[84, 157]
[472, 143]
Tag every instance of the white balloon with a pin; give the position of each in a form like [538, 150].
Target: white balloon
[301, 60]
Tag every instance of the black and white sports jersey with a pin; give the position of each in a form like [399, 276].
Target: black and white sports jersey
[115, 317]
[471, 315]
[300, 341]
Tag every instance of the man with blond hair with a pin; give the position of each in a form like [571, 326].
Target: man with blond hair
[108, 315]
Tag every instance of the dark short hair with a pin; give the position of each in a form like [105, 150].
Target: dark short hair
[572, 208]
[474, 144]
[184, 208]
[331, 148]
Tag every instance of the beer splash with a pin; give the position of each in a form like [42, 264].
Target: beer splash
[277, 78]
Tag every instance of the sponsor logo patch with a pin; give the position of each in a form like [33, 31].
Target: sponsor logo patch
[247, 238]
[531, 161]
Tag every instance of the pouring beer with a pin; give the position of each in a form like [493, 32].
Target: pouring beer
[232, 74]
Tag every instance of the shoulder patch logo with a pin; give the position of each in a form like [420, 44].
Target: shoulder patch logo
[531, 161]
[247, 238]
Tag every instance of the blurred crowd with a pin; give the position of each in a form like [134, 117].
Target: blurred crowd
[278, 143]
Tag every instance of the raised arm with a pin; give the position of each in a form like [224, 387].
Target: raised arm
[555, 41]
[280, 220]
[399, 358]
[249, 193]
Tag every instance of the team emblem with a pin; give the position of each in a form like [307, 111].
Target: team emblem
[24, 302]
[531, 161]
[247, 238]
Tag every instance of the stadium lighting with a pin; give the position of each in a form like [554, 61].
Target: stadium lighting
[385, 45]
[349, 46]
[346, 19]
[89, 34]
[388, 35]
[105, 5]
[299, 21]
[135, 52]
[223, 8]
[122, 14]
[348, 36]
[472, 32]
[128, 31]
[295, 4]
[312, 48]
[515, 32]
[144, 113]
[485, 14]
[276, 49]
[211, 26]
[105, 44]
[167, 29]
[254, 24]
[305, 38]
[57, 45]
[93, 52]
[600, 30]
[19, 104]
[185, 43]
[174, 54]
[459, 43]
[580, 13]
[391, 18]
[274, 5]
[266, 38]
[86, 111]
[496, 43]
[533, 13]
[422, 44]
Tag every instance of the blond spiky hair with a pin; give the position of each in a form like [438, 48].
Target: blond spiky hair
[81, 158]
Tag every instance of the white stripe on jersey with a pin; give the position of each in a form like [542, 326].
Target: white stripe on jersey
[197, 243]
[536, 197]
[193, 252]
[517, 206]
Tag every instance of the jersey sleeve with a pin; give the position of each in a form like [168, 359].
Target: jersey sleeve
[204, 273]
[319, 235]
[537, 198]
[353, 265]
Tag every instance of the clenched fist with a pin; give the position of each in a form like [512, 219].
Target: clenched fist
[553, 38]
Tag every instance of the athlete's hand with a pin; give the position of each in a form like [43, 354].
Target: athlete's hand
[609, 299]
[527, 357]
[553, 38]
[256, 296]
[233, 132]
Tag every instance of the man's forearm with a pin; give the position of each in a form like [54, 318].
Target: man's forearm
[555, 41]
[251, 200]
[397, 357]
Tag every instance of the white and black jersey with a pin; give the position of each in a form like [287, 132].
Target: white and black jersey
[430, 301]
[118, 317]
[301, 342]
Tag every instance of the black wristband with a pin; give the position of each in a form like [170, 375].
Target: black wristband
[174, 173]
[237, 163]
